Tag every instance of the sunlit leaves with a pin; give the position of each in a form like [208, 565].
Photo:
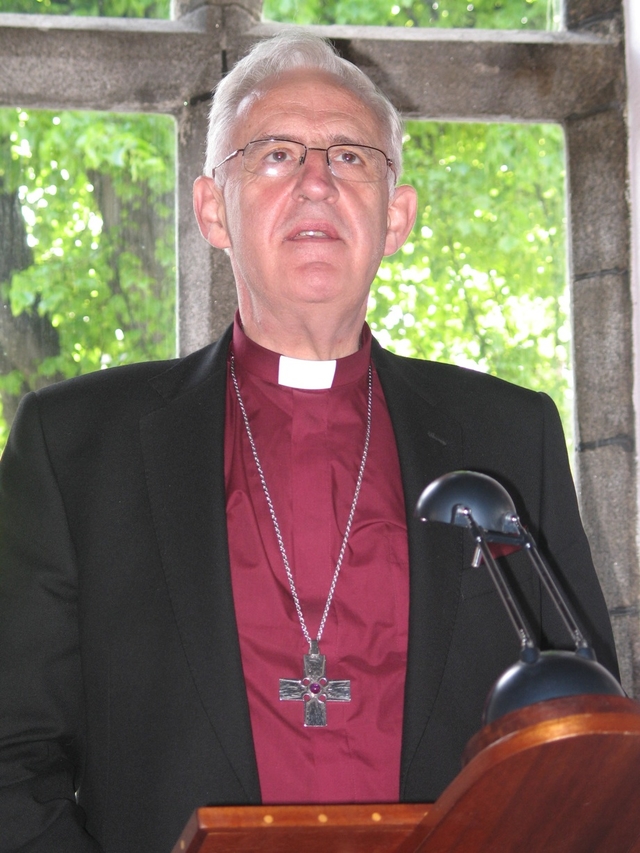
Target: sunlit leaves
[485, 14]
[96, 194]
[482, 280]
[102, 8]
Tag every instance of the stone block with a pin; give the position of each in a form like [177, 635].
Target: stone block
[606, 477]
[206, 290]
[603, 358]
[597, 176]
[627, 637]
[591, 13]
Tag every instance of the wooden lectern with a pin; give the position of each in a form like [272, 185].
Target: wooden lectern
[561, 776]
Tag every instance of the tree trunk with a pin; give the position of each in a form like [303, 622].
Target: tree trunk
[27, 339]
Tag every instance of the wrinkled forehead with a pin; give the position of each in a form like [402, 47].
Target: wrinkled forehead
[306, 98]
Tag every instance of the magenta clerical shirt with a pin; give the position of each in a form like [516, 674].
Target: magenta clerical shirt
[310, 445]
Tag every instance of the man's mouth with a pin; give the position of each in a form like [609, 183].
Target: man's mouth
[315, 234]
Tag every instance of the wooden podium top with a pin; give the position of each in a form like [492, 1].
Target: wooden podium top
[557, 777]
[312, 829]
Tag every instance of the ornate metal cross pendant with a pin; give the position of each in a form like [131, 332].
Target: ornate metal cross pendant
[314, 689]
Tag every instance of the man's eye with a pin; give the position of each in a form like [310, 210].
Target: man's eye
[279, 155]
[347, 157]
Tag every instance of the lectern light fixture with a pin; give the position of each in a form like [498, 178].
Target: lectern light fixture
[482, 505]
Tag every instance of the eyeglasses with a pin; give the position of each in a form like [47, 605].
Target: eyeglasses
[280, 158]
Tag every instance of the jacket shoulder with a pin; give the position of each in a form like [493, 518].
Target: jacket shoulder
[148, 381]
[459, 388]
[112, 402]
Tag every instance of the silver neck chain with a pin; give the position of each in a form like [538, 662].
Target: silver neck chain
[274, 519]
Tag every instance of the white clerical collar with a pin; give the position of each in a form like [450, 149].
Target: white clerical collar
[309, 375]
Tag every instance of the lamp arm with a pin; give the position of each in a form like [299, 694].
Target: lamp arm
[553, 589]
[527, 646]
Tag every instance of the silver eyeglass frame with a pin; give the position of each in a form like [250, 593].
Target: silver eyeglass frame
[303, 158]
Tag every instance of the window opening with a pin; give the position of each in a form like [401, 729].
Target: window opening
[482, 281]
[97, 8]
[87, 267]
[480, 14]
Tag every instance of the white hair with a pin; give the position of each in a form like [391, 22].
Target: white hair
[276, 56]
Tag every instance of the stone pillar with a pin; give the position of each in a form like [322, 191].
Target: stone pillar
[206, 290]
[603, 344]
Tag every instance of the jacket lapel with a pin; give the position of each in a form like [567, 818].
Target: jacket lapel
[183, 447]
[429, 445]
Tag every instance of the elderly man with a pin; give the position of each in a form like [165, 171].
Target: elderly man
[212, 589]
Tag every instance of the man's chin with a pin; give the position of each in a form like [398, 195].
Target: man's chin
[319, 283]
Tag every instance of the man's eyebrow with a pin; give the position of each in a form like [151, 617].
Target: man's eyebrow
[335, 139]
[341, 139]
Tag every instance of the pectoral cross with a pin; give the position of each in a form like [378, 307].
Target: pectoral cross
[314, 689]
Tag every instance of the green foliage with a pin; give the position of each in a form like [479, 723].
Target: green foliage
[96, 194]
[486, 14]
[100, 8]
[482, 280]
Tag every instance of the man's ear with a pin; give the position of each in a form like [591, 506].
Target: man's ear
[209, 207]
[400, 217]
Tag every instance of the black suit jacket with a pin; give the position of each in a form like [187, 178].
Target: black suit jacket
[120, 671]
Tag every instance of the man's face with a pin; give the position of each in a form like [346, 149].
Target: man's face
[308, 239]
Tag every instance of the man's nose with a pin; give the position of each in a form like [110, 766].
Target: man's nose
[315, 179]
